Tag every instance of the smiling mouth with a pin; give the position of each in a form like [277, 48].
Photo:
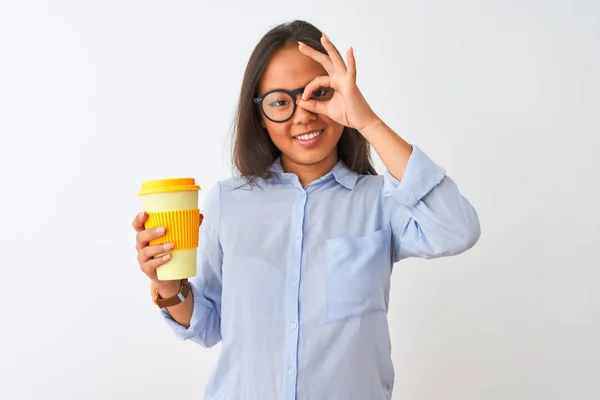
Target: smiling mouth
[309, 136]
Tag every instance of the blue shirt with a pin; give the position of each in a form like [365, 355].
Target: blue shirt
[294, 282]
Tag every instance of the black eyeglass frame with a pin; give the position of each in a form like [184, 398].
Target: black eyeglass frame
[292, 93]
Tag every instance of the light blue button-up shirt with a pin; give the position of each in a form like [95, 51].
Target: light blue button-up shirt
[294, 282]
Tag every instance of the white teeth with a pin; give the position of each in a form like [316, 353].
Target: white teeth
[309, 136]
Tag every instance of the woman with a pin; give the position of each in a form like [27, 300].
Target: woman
[296, 254]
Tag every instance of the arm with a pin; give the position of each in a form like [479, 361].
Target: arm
[199, 317]
[393, 150]
[182, 312]
[429, 217]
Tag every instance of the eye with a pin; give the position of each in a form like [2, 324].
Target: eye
[277, 100]
[278, 103]
[322, 94]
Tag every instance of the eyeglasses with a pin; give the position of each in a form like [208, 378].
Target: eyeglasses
[279, 105]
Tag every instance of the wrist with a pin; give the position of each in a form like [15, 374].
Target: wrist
[167, 288]
[375, 123]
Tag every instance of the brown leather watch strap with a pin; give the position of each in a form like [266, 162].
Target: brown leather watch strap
[180, 297]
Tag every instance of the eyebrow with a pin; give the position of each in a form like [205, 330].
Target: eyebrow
[280, 88]
[284, 88]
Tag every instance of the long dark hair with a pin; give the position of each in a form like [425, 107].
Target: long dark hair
[253, 150]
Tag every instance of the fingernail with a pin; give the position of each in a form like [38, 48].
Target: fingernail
[141, 215]
[166, 257]
[160, 230]
[168, 246]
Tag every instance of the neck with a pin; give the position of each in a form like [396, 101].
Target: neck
[308, 173]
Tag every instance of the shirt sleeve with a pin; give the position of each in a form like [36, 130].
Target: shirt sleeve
[430, 217]
[206, 286]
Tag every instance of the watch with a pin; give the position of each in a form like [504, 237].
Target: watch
[184, 291]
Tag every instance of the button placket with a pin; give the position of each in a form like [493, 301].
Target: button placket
[293, 292]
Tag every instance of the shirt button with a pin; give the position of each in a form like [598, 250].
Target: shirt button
[291, 371]
[295, 278]
[298, 235]
[294, 325]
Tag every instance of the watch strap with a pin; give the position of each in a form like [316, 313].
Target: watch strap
[179, 297]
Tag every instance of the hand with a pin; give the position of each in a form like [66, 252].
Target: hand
[347, 106]
[146, 253]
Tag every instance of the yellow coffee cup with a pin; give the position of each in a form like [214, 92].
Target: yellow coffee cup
[173, 204]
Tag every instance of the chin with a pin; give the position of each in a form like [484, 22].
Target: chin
[311, 157]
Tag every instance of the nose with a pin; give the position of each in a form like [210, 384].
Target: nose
[301, 115]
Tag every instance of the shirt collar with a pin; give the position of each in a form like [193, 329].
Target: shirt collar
[342, 174]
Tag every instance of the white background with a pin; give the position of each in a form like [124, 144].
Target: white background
[97, 96]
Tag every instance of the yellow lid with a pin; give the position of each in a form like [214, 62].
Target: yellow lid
[168, 185]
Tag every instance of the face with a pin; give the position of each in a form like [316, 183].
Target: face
[306, 139]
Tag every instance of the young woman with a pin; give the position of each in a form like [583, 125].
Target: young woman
[296, 253]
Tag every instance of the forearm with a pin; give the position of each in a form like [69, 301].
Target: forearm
[182, 312]
[393, 150]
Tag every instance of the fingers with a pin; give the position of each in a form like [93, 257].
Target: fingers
[148, 260]
[138, 221]
[335, 57]
[351, 63]
[150, 266]
[319, 57]
[149, 252]
[314, 106]
[318, 82]
[144, 237]
[332, 61]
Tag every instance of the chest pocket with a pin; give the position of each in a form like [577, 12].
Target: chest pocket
[358, 275]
